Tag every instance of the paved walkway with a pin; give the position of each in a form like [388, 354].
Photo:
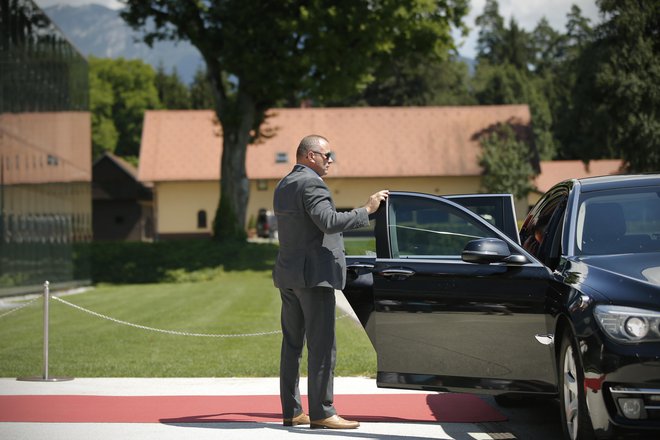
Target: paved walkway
[229, 430]
[202, 431]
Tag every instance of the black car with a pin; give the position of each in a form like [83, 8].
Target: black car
[570, 309]
[266, 224]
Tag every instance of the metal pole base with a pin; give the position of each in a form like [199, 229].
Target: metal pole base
[44, 379]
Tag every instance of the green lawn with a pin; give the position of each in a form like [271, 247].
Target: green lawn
[231, 302]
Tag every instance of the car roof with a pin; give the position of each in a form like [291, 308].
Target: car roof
[618, 181]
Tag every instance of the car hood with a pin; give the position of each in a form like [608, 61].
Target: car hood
[630, 278]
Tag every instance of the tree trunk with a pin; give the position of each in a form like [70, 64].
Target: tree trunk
[229, 222]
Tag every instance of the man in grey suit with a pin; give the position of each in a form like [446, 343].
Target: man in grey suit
[310, 265]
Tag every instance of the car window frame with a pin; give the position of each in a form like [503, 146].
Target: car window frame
[383, 240]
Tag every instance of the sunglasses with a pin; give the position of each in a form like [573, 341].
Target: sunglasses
[329, 155]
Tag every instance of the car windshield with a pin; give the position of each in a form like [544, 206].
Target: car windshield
[619, 222]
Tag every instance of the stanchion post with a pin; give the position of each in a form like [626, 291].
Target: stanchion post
[46, 325]
[45, 377]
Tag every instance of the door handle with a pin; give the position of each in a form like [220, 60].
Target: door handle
[397, 274]
[356, 266]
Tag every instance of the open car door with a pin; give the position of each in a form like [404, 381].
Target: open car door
[450, 302]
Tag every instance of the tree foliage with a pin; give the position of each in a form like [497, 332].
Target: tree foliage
[172, 93]
[101, 102]
[505, 75]
[415, 81]
[121, 90]
[118, 107]
[201, 95]
[324, 50]
[506, 162]
[616, 107]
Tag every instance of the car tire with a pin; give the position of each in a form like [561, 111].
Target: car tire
[576, 424]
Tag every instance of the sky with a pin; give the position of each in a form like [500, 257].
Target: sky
[527, 14]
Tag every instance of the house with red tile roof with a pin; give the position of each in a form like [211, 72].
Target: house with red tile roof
[426, 149]
[554, 171]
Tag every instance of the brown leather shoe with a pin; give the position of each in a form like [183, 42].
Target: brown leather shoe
[334, 422]
[300, 419]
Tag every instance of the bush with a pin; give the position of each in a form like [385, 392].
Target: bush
[176, 260]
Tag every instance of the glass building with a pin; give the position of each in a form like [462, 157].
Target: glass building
[45, 154]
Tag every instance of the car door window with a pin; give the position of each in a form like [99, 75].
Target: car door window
[535, 230]
[421, 227]
[550, 243]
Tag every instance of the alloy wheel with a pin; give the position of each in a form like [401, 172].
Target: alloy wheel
[570, 395]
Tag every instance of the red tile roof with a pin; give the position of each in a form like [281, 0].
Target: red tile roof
[46, 147]
[368, 141]
[553, 172]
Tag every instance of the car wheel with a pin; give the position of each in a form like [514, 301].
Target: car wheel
[574, 416]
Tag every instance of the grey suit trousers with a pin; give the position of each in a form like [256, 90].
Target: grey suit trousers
[300, 305]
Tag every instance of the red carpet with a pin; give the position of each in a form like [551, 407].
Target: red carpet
[197, 409]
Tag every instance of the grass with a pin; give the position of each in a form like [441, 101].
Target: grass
[223, 302]
[359, 245]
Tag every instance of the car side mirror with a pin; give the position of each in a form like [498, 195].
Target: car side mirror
[490, 250]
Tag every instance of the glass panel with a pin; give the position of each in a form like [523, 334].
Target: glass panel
[424, 227]
[45, 153]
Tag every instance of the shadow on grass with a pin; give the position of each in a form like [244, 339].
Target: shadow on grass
[136, 262]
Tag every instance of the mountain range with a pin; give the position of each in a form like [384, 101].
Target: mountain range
[100, 31]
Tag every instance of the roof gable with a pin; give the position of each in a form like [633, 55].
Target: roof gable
[114, 178]
[368, 141]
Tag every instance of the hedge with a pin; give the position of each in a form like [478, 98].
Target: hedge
[168, 261]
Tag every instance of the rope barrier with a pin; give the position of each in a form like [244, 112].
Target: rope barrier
[47, 296]
[16, 309]
[172, 332]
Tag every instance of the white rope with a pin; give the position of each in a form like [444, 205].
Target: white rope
[171, 332]
[19, 308]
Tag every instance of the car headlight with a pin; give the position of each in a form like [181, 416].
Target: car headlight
[628, 324]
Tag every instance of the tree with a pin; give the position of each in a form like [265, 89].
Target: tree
[549, 47]
[490, 41]
[563, 90]
[505, 84]
[121, 90]
[201, 95]
[101, 102]
[616, 112]
[506, 73]
[414, 81]
[172, 93]
[261, 53]
[498, 44]
[506, 162]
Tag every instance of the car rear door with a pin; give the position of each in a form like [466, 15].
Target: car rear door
[441, 323]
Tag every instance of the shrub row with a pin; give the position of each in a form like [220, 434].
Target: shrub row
[137, 262]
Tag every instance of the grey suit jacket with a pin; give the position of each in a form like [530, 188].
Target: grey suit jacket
[310, 230]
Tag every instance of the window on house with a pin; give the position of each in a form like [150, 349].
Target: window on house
[281, 157]
[201, 219]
